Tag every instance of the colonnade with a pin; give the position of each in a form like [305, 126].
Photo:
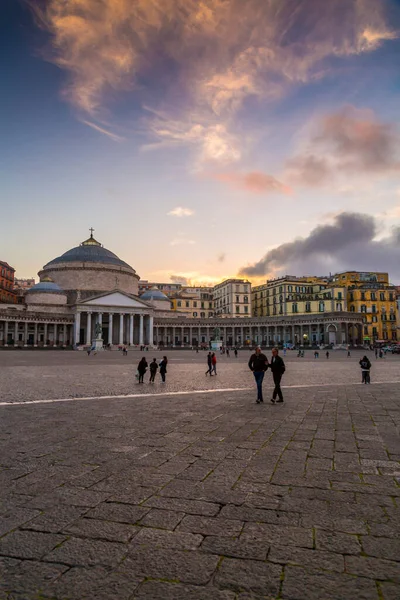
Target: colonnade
[266, 335]
[131, 328]
[26, 332]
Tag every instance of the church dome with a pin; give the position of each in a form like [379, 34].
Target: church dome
[89, 251]
[46, 285]
[92, 268]
[154, 294]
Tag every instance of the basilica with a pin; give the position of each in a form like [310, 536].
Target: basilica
[89, 291]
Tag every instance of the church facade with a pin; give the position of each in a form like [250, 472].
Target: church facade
[89, 290]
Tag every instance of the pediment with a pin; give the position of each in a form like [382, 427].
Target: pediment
[116, 299]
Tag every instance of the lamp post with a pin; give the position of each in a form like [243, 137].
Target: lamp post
[305, 337]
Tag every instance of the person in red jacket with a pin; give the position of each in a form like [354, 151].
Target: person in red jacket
[214, 363]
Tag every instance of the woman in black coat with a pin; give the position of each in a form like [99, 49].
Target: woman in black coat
[142, 368]
[163, 368]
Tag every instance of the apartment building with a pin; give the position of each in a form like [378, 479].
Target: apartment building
[232, 298]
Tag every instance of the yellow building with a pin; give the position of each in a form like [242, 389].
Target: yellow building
[193, 305]
[372, 295]
[292, 295]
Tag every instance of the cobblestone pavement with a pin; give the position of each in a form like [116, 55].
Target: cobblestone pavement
[37, 375]
[204, 496]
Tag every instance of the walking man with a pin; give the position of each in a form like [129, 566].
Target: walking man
[277, 367]
[258, 363]
[209, 364]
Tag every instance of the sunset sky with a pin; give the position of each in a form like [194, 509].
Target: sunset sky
[202, 139]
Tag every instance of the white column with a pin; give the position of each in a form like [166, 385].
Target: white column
[89, 329]
[64, 335]
[16, 334]
[121, 328]
[26, 334]
[110, 328]
[151, 330]
[77, 327]
[55, 335]
[141, 330]
[45, 335]
[131, 317]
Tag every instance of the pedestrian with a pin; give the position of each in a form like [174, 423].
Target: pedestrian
[327, 354]
[89, 351]
[142, 368]
[278, 368]
[163, 368]
[214, 363]
[227, 352]
[380, 353]
[365, 365]
[236, 353]
[376, 352]
[348, 353]
[124, 351]
[258, 363]
[153, 370]
[209, 364]
[284, 351]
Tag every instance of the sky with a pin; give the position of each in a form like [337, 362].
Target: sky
[202, 139]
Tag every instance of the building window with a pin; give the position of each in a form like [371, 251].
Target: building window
[237, 299]
[290, 288]
[179, 303]
[187, 304]
[321, 307]
[339, 295]
[195, 314]
[382, 296]
[202, 315]
[374, 319]
[373, 296]
[274, 310]
[308, 306]
[246, 309]
[339, 307]
[237, 309]
[362, 295]
[351, 297]
[294, 308]
[194, 304]
[390, 297]
[374, 308]
[246, 299]
[363, 308]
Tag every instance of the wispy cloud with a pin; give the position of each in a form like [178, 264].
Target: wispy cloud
[181, 211]
[220, 53]
[255, 181]
[181, 241]
[110, 134]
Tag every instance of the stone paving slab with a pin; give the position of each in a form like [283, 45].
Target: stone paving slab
[203, 497]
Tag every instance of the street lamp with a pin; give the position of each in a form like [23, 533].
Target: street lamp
[305, 336]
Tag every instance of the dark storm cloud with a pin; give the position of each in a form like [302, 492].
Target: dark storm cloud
[346, 244]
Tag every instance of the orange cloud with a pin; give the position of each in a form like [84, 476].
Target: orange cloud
[255, 181]
[349, 141]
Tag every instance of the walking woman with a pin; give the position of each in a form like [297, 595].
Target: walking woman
[142, 368]
[163, 368]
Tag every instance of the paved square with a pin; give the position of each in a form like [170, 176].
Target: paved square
[200, 495]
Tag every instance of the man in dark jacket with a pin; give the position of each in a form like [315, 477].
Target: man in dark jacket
[258, 363]
[277, 367]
